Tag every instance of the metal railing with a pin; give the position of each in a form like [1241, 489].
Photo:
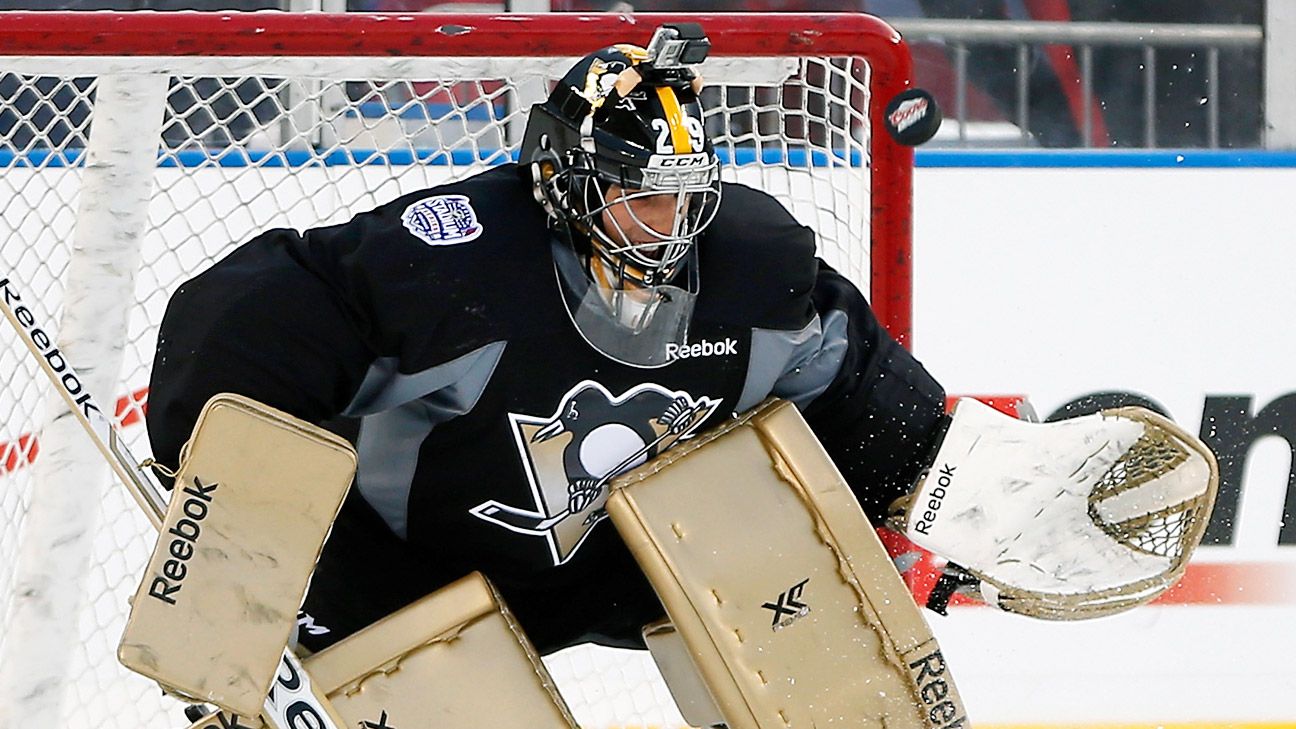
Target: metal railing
[958, 35]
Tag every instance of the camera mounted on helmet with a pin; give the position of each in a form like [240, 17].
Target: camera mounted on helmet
[674, 49]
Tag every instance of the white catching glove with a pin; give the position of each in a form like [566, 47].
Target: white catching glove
[1064, 520]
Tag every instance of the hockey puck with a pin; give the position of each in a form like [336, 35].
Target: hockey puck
[912, 117]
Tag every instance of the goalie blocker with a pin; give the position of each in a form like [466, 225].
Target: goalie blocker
[1066, 520]
[255, 496]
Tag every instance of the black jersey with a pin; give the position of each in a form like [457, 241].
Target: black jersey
[432, 332]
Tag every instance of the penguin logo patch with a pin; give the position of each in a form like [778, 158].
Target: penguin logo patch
[570, 456]
[442, 220]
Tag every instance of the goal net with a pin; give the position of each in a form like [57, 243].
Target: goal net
[138, 148]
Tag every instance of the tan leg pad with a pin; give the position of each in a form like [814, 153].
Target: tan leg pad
[792, 612]
[255, 496]
[456, 658]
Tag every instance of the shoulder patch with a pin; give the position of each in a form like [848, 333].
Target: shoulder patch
[442, 220]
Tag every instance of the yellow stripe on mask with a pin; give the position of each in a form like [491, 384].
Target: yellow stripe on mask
[675, 118]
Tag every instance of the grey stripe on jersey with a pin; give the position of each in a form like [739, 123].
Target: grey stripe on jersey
[796, 366]
[399, 412]
[384, 387]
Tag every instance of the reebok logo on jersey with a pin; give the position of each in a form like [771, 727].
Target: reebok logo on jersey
[702, 349]
[442, 220]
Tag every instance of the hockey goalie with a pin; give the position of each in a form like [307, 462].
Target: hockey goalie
[629, 395]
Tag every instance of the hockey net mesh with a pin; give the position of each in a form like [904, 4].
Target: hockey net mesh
[256, 149]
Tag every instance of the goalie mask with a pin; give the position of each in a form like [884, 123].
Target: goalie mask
[620, 162]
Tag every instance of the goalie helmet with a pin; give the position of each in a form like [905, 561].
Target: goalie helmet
[620, 162]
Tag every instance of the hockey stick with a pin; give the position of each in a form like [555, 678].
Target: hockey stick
[291, 701]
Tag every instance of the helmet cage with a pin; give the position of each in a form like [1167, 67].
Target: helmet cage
[694, 194]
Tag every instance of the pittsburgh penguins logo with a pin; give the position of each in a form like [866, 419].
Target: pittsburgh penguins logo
[571, 456]
[599, 82]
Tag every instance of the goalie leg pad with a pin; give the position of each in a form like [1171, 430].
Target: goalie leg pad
[792, 612]
[455, 658]
[255, 496]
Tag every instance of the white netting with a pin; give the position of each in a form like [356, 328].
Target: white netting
[248, 144]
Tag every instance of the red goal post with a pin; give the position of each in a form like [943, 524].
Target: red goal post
[138, 148]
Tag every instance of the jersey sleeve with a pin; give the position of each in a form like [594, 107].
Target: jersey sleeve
[875, 408]
[816, 342]
[258, 324]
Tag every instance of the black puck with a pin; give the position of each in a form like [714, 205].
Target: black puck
[913, 117]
